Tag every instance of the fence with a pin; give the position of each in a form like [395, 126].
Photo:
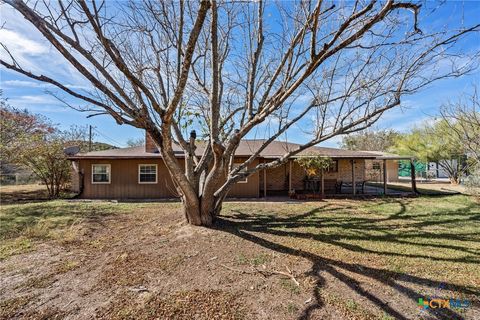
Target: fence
[404, 169]
[17, 179]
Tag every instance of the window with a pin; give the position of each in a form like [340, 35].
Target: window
[244, 180]
[100, 173]
[147, 173]
[376, 166]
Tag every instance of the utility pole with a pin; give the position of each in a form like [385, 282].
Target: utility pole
[89, 138]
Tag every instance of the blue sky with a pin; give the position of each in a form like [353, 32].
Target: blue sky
[36, 54]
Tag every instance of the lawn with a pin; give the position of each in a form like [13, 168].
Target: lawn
[333, 259]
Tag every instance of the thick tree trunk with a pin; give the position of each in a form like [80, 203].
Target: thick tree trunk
[199, 211]
[191, 209]
[202, 208]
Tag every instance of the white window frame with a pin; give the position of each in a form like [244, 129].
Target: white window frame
[109, 172]
[156, 173]
[235, 165]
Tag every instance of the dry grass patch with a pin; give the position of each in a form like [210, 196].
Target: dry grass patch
[66, 266]
[10, 307]
[196, 304]
[21, 225]
[352, 259]
[127, 269]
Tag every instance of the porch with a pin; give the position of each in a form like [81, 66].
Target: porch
[348, 177]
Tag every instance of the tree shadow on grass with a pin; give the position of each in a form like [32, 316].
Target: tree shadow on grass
[254, 227]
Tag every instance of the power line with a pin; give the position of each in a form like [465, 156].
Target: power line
[111, 140]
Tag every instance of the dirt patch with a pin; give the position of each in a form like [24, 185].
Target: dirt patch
[196, 304]
[150, 261]
[327, 260]
[38, 282]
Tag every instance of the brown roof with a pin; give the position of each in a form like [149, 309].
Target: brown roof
[246, 147]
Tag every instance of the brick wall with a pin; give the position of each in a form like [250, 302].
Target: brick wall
[372, 174]
[376, 175]
[277, 178]
[345, 170]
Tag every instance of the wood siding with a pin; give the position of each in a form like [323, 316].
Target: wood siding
[250, 188]
[124, 181]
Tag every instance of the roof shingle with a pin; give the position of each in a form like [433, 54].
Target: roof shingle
[246, 147]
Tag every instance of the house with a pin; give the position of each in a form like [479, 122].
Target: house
[140, 173]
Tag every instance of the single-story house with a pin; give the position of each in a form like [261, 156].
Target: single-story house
[140, 173]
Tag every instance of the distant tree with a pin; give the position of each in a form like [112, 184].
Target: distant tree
[463, 118]
[435, 143]
[16, 127]
[30, 141]
[135, 142]
[379, 140]
[45, 156]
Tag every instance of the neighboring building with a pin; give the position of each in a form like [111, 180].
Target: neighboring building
[140, 173]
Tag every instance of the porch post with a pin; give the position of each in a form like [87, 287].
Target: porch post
[385, 178]
[289, 176]
[412, 176]
[323, 184]
[354, 191]
[264, 181]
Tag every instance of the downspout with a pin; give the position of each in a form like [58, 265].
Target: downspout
[80, 186]
[80, 176]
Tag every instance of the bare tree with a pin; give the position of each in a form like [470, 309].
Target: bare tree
[136, 142]
[463, 119]
[232, 69]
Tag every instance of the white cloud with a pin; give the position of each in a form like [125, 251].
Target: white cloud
[33, 52]
[75, 86]
[17, 84]
[33, 99]
[38, 103]
[19, 44]
[24, 84]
